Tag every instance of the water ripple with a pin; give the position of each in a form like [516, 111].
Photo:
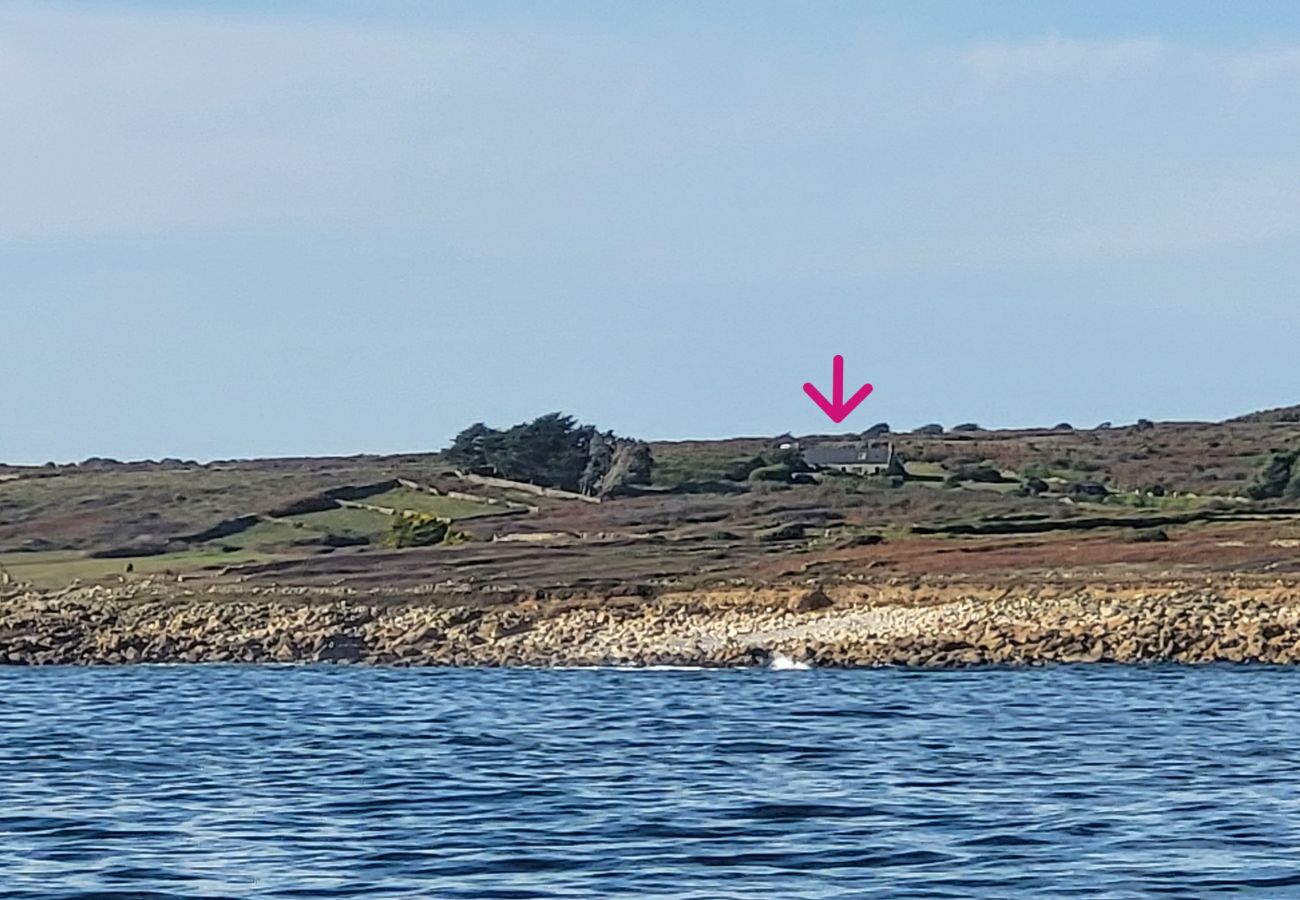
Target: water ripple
[238, 782]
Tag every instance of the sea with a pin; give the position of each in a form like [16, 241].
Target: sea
[1088, 781]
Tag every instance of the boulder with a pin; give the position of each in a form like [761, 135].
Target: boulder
[811, 601]
[341, 648]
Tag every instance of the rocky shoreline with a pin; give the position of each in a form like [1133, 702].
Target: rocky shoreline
[949, 625]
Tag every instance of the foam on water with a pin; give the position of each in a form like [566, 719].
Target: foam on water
[782, 662]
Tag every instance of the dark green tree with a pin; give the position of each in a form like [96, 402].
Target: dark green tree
[553, 450]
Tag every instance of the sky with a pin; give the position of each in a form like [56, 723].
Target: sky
[236, 228]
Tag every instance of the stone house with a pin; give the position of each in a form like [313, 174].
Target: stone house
[859, 459]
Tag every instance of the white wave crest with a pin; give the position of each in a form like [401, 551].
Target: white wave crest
[783, 662]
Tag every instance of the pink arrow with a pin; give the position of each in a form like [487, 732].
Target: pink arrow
[840, 408]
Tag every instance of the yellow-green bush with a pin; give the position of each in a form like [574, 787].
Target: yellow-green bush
[416, 529]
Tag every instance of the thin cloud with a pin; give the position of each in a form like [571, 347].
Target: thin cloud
[1055, 58]
[532, 146]
[1251, 68]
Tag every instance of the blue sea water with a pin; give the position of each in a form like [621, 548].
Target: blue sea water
[320, 782]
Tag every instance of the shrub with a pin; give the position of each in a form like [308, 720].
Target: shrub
[1035, 470]
[777, 472]
[1088, 490]
[794, 531]
[333, 539]
[1147, 536]
[859, 540]
[791, 458]
[878, 429]
[1276, 478]
[416, 530]
[740, 469]
[966, 426]
[932, 428]
[982, 474]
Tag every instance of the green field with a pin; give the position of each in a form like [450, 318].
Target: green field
[266, 540]
[346, 521]
[280, 535]
[419, 501]
[58, 568]
[920, 469]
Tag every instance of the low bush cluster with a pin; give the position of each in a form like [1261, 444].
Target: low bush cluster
[413, 529]
[1280, 477]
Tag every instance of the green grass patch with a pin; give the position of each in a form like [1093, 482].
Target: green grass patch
[924, 469]
[409, 500]
[58, 568]
[1001, 487]
[347, 521]
[268, 534]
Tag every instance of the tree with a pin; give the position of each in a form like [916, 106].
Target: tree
[473, 446]
[553, 450]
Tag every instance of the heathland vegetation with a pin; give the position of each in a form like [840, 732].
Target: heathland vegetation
[664, 512]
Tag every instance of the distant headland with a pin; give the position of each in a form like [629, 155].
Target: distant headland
[555, 542]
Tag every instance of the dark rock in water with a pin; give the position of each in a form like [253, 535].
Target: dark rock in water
[811, 602]
[341, 648]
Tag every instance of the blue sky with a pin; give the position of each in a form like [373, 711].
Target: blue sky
[238, 229]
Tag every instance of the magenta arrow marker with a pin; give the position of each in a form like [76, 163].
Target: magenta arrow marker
[838, 408]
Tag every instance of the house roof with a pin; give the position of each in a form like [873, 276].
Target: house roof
[848, 454]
